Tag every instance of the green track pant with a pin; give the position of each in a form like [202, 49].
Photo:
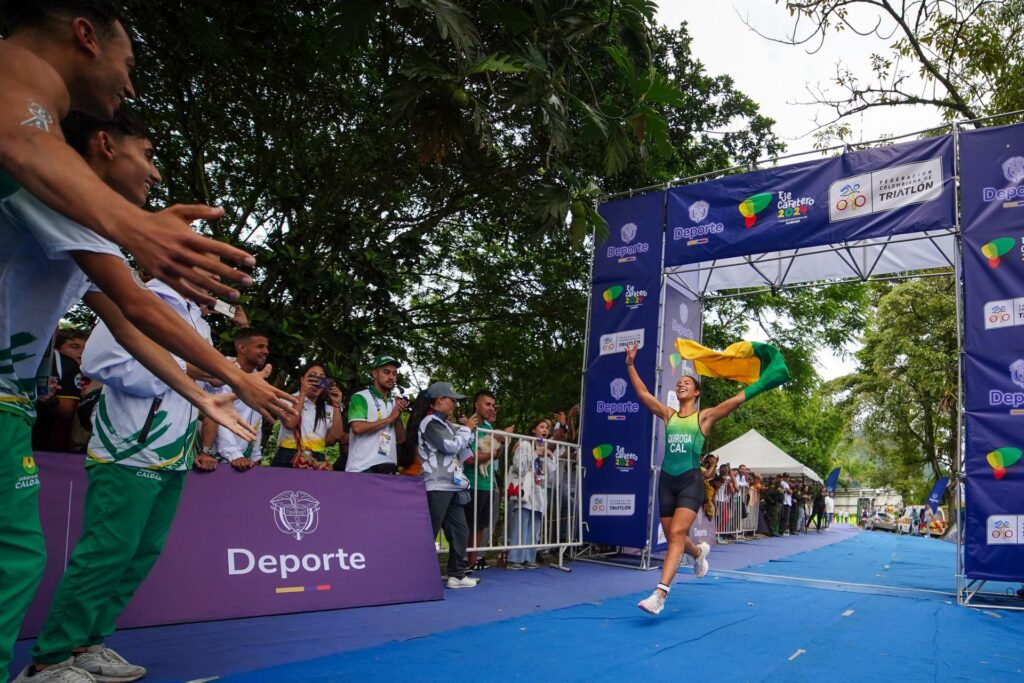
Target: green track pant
[22, 551]
[128, 512]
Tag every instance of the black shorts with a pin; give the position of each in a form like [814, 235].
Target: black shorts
[684, 490]
[478, 512]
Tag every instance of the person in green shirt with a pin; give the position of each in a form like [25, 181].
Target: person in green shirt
[681, 482]
[482, 512]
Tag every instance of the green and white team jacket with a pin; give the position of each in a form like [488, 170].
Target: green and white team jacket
[39, 281]
[139, 421]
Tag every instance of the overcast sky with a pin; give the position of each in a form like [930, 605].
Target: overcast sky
[777, 77]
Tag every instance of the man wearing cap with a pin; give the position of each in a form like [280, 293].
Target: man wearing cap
[375, 421]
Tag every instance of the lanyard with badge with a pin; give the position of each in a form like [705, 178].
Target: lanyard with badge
[386, 434]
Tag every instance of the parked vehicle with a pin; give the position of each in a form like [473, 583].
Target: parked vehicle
[885, 521]
[928, 524]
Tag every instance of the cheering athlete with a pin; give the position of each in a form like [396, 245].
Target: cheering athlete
[681, 484]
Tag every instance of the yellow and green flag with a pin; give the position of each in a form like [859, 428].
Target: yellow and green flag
[758, 365]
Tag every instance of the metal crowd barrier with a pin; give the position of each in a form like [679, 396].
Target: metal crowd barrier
[505, 524]
[735, 516]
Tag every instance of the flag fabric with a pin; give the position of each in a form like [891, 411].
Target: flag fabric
[935, 497]
[758, 365]
[832, 479]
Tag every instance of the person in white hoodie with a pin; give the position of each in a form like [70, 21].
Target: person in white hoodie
[530, 475]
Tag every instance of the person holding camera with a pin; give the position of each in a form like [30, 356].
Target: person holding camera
[304, 438]
[375, 421]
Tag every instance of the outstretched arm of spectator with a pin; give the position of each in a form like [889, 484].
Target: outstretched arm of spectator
[163, 365]
[33, 99]
[154, 318]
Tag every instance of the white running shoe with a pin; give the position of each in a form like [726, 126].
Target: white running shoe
[106, 666]
[653, 604]
[464, 582]
[64, 672]
[700, 566]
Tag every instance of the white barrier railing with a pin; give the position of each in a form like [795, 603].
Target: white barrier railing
[736, 514]
[533, 502]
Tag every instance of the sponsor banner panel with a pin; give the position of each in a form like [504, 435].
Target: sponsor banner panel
[622, 312]
[992, 179]
[901, 188]
[632, 248]
[992, 182]
[269, 541]
[616, 438]
[995, 384]
[682, 320]
[994, 498]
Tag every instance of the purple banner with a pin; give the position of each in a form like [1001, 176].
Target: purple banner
[267, 541]
[901, 188]
[992, 200]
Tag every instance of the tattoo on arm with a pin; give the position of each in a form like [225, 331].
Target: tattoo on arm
[40, 118]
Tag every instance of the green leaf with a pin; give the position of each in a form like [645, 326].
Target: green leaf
[594, 116]
[453, 21]
[499, 63]
[616, 153]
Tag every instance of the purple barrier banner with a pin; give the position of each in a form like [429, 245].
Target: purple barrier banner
[266, 541]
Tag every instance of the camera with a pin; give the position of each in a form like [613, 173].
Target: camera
[325, 383]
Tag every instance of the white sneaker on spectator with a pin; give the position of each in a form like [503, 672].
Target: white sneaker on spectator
[653, 604]
[700, 565]
[106, 666]
[464, 582]
[514, 566]
[64, 672]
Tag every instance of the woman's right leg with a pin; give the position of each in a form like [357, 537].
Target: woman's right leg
[677, 528]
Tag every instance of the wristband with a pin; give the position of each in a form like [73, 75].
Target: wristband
[207, 450]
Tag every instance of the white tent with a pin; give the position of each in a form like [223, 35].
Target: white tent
[762, 456]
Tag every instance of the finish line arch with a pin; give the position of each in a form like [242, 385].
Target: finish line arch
[879, 213]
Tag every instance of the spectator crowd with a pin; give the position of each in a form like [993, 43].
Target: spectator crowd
[475, 474]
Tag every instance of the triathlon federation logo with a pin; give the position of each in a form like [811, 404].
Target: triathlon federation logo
[1004, 529]
[752, 206]
[295, 513]
[850, 200]
[996, 249]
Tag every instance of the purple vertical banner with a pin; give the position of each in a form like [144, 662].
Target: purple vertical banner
[616, 434]
[992, 197]
[682, 320]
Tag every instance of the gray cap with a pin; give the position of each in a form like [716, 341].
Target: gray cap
[443, 389]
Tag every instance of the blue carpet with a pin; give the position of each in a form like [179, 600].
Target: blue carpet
[227, 647]
[722, 630]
